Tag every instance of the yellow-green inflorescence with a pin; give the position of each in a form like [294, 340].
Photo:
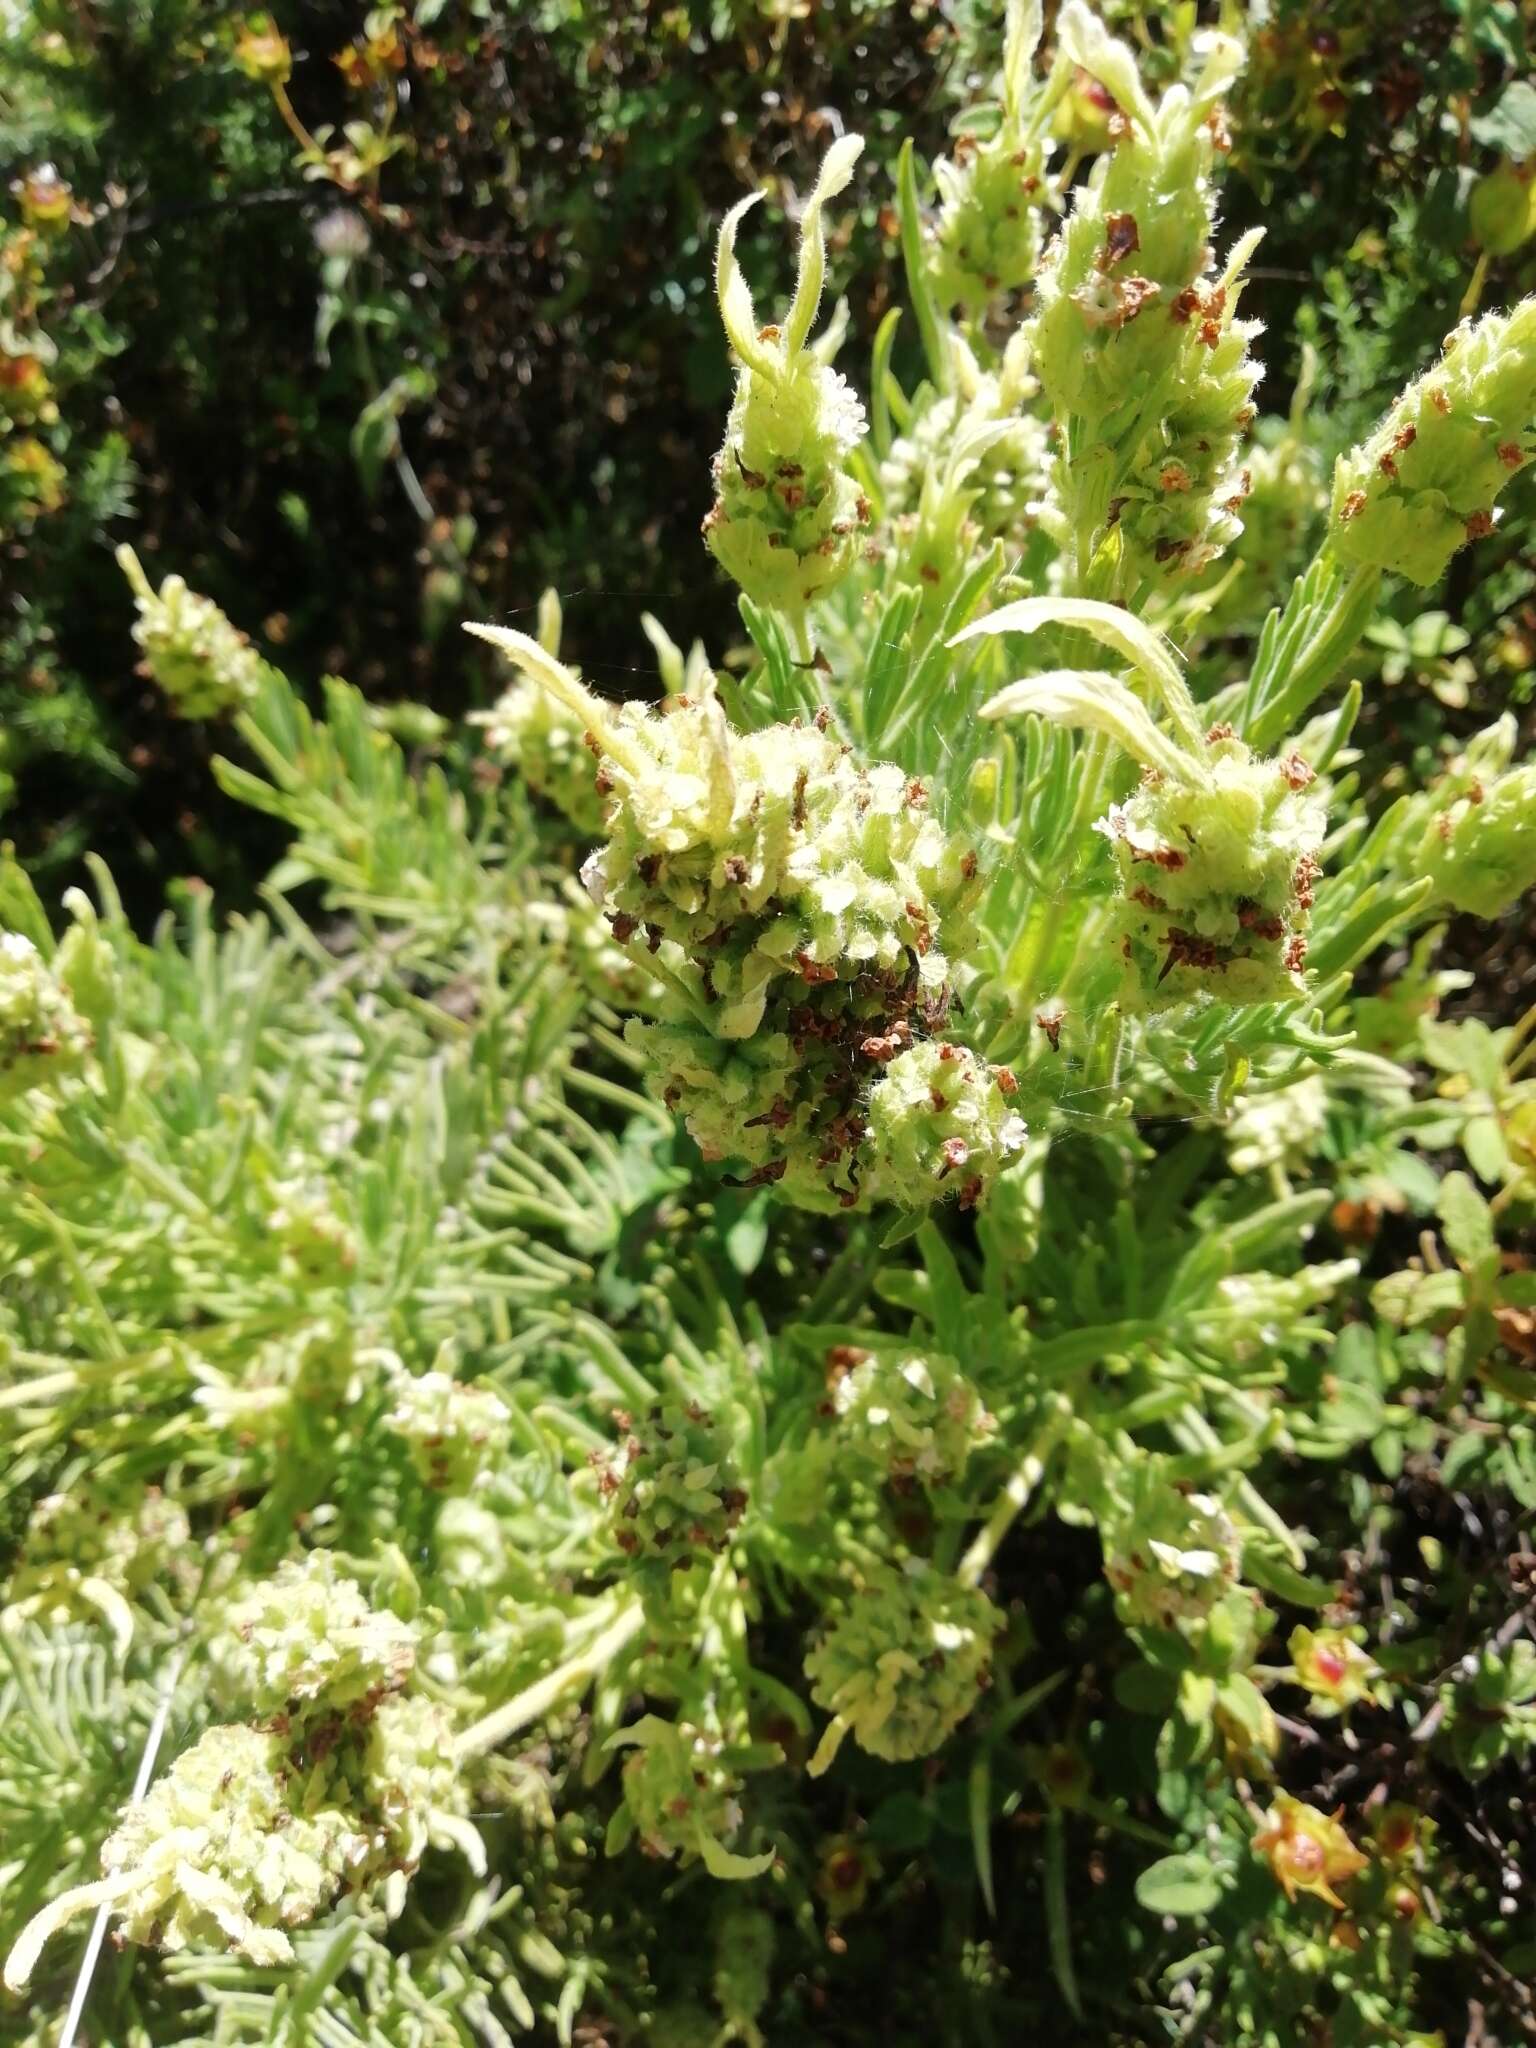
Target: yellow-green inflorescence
[542, 739]
[991, 188]
[1185, 490]
[788, 516]
[308, 1634]
[131, 1544]
[205, 665]
[682, 1798]
[42, 1034]
[1217, 849]
[940, 1114]
[1479, 840]
[229, 1850]
[803, 911]
[1426, 481]
[1216, 879]
[455, 1433]
[671, 1486]
[1135, 341]
[1283, 510]
[338, 1782]
[903, 1662]
[913, 1415]
[1171, 1556]
[981, 445]
[973, 467]
[89, 1552]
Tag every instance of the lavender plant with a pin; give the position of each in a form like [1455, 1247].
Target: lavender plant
[852, 1360]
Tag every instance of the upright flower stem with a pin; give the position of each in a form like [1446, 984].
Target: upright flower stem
[536, 1700]
[1016, 1494]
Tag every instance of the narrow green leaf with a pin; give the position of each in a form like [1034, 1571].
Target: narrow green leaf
[915, 257]
[1057, 1919]
[981, 1826]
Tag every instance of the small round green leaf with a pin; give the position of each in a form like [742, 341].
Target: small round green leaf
[1183, 1885]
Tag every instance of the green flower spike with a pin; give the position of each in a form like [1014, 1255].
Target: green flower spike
[42, 1034]
[987, 237]
[799, 909]
[981, 444]
[1425, 482]
[456, 1433]
[1216, 882]
[973, 467]
[540, 737]
[787, 516]
[1279, 1128]
[1134, 342]
[917, 1418]
[1170, 1556]
[1479, 843]
[411, 1787]
[771, 855]
[1114, 321]
[307, 1638]
[205, 665]
[1284, 504]
[223, 1853]
[1217, 850]
[316, 1244]
[1181, 495]
[902, 1664]
[671, 1486]
[247, 1836]
[939, 1115]
[681, 1798]
[86, 1552]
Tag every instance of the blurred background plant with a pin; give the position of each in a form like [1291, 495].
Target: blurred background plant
[436, 279]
